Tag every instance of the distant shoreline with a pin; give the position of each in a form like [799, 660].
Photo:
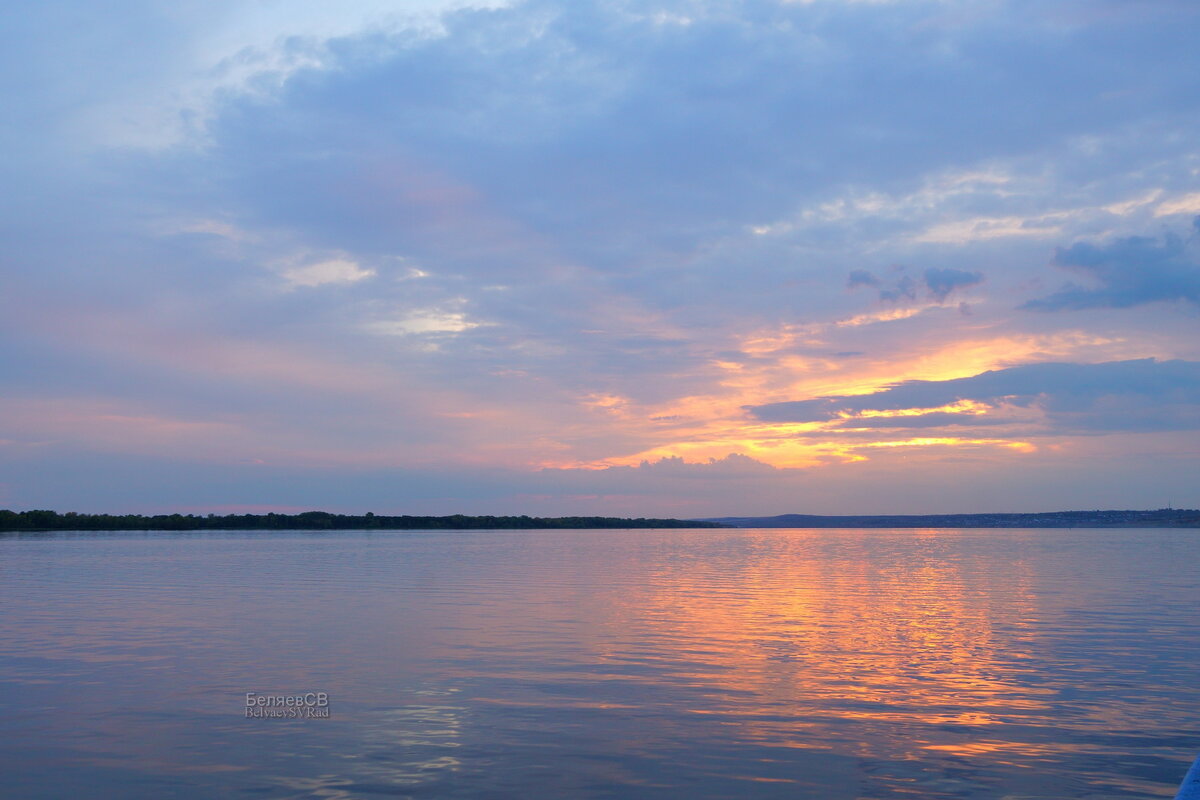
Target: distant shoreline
[42, 520]
[1161, 518]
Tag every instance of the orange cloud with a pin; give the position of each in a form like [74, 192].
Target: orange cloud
[714, 424]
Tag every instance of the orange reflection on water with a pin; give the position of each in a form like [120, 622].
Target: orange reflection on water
[792, 644]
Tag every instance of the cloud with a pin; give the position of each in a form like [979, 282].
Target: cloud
[941, 282]
[648, 132]
[933, 419]
[903, 289]
[1131, 271]
[732, 465]
[424, 321]
[861, 277]
[1135, 395]
[599, 200]
[338, 270]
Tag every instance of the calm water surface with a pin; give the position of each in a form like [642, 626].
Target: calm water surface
[823, 664]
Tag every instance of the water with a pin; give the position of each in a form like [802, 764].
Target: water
[830, 664]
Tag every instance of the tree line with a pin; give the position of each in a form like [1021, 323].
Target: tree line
[43, 520]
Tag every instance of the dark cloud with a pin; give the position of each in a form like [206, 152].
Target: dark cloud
[903, 289]
[941, 282]
[1137, 395]
[937, 419]
[1129, 272]
[861, 277]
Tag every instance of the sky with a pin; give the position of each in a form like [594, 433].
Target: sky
[684, 258]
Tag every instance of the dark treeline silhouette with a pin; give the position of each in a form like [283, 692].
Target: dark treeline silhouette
[311, 520]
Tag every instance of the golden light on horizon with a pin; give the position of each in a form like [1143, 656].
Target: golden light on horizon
[712, 425]
[971, 407]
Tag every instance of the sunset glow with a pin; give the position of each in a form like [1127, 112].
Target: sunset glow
[704, 260]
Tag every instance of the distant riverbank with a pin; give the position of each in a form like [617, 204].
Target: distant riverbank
[1161, 518]
[41, 520]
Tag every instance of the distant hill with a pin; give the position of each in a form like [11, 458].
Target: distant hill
[1162, 518]
[42, 520]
